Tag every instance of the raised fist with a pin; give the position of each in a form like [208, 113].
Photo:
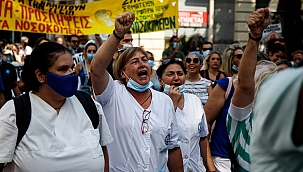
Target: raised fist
[123, 22]
[258, 21]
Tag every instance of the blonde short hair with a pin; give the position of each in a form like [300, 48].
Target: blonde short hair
[121, 61]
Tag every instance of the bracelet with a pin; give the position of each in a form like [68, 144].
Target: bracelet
[118, 37]
[254, 39]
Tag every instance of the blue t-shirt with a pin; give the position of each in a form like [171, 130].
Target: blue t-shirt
[219, 138]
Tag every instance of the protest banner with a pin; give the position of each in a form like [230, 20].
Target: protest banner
[94, 17]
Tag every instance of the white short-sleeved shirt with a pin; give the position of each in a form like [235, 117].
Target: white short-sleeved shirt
[192, 126]
[64, 142]
[132, 150]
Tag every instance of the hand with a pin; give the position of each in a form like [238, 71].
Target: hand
[176, 51]
[174, 94]
[258, 21]
[97, 36]
[123, 22]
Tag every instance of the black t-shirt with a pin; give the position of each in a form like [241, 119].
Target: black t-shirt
[9, 75]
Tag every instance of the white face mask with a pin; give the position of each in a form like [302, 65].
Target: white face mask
[126, 46]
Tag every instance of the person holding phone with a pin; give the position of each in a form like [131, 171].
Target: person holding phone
[173, 50]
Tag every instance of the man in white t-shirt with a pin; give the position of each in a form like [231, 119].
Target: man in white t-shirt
[25, 49]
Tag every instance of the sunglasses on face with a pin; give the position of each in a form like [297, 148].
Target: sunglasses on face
[92, 51]
[75, 42]
[239, 56]
[205, 49]
[127, 40]
[195, 60]
[168, 60]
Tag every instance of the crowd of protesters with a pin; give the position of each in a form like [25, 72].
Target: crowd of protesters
[239, 110]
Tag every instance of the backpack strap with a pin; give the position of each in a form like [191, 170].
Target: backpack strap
[89, 107]
[23, 115]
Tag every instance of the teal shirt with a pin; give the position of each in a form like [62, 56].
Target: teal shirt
[272, 148]
[167, 52]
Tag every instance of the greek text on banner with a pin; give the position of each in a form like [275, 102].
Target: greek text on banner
[90, 18]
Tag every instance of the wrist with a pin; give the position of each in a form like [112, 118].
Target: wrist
[254, 37]
[117, 35]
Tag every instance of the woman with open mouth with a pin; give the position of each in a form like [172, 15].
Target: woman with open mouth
[195, 84]
[142, 121]
[190, 115]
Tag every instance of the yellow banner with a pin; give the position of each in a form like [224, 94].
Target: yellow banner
[83, 19]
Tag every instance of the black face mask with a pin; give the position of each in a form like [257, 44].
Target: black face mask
[25, 44]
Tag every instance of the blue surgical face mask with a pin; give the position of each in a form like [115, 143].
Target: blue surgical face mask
[73, 50]
[151, 63]
[136, 86]
[205, 53]
[175, 45]
[167, 87]
[65, 85]
[90, 56]
[81, 46]
[235, 68]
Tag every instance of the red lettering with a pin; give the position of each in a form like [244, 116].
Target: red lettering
[68, 19]
[60, 19]
[56, 29]
[8, 9]
[79, 32]
[23, 12]
[41, 27]
[48, 28]
[51, 15]
[44, 16]
[18, 26]
[1, 2]
[76, 20]
[26, 25]
[86, 22]
[38, 15]
[34, 27]
[4, 24]
[30, 11]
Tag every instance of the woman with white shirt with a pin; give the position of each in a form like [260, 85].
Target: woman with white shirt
[190, 115]
[60, 135]
[146, 136]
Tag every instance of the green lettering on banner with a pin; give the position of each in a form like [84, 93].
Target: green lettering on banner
[154, 25]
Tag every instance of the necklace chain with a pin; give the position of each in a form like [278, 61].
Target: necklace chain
[144, 100]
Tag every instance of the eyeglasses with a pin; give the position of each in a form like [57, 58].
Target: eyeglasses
[75, 42]
[127, 40]
[195, 60]
[239, 56]
[205, 49]
[145, 116]
[168, 60]
[92, 51]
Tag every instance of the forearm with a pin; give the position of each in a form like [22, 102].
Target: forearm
[175, 162]
[169, 57]
[106, 160]
[244, 93]
[248, 64]
[104, 55]
[16, 91]
[206, 154]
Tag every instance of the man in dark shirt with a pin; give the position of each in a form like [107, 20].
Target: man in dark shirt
[173, 50]
[9, 79]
